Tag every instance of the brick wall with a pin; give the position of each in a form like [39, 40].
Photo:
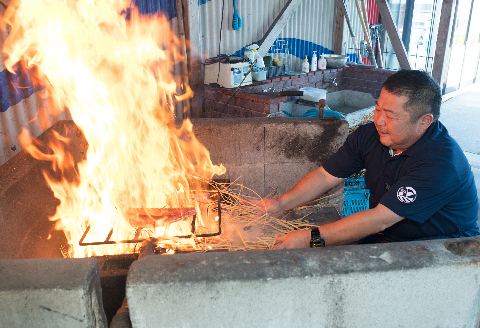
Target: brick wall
[224, 103]
[365, 80]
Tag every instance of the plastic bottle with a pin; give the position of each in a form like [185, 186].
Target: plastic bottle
[305, 65]
[249, 54]
[314, 62]
[260, 62]
[322, 62]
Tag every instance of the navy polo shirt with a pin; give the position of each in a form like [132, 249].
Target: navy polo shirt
[431, 184]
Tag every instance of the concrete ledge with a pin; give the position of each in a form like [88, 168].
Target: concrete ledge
[51, 293]
[412, 284]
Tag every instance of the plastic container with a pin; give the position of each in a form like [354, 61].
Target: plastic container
[280, 70]
[250, 54]
[305, 65]
[313, 94]
[355, 197]
[271, 70]
[322, 62]
[314, 62]
[259, 75]
[275, 71]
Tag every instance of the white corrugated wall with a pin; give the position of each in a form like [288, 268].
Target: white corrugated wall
[312, 27]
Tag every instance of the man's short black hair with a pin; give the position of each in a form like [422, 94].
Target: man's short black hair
[423, 92]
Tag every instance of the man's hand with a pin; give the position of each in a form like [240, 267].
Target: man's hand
[294, 239]
[272, 206]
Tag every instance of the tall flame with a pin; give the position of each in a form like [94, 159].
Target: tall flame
[115, 77]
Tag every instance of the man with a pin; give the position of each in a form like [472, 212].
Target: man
[421, 184]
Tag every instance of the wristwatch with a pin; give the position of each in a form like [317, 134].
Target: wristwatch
[316, 239]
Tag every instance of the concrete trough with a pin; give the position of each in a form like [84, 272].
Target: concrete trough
[263, 154]
[412, 284]
[51, 293]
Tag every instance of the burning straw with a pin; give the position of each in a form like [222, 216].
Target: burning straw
[243, 229]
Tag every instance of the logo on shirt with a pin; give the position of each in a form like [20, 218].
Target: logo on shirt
[406, 194]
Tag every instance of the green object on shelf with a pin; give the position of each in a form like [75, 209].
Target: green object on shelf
[268, 61]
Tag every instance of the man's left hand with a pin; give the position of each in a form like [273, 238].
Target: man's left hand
[294, 239]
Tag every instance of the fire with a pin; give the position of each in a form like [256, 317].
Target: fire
[115, 77]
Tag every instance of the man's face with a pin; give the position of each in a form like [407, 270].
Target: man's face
[393, 123]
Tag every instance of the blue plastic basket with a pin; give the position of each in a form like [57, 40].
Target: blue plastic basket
[355, 197]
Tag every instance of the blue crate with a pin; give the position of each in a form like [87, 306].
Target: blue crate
[355, 197]
[355, 184]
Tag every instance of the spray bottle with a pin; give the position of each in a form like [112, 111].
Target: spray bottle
[249, 54]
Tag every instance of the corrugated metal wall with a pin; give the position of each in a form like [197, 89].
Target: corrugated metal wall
[310, 28]
[22, 106]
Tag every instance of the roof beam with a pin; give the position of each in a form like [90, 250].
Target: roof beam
[444, 27]
[340, 17]
[391, 28]
[277, 26]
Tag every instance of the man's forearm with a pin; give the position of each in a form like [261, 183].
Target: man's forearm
[358, 225]
[344, 231]
[312, 185]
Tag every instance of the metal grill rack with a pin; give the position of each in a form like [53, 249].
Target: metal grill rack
[107, 240]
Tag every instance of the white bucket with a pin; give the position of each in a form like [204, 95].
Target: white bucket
[313, 94]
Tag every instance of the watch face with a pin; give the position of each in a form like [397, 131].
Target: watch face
[316, 239]
[317, 243]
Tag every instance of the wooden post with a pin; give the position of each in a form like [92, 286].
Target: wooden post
[185, 105]
[277, 26]
[194, 59]
[444, 28]
[391, 28]
[337, 47]
[321, 108]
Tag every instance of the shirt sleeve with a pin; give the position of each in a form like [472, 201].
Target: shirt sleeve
[423, 191]
[348, 159]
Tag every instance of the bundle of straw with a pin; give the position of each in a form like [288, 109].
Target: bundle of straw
[242, 228]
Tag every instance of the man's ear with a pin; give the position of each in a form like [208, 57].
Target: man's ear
[426, 120]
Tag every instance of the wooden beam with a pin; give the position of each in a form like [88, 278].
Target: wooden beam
[391, 28]
[184, 105]
[194, 59]
[444, 27]
[277, 26]
[340, 17]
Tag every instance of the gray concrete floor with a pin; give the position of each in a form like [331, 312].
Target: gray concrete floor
[460, 113]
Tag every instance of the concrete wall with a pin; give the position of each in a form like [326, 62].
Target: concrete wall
[272, 154]
[26, 201]
[51, 293]
[412, 284]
